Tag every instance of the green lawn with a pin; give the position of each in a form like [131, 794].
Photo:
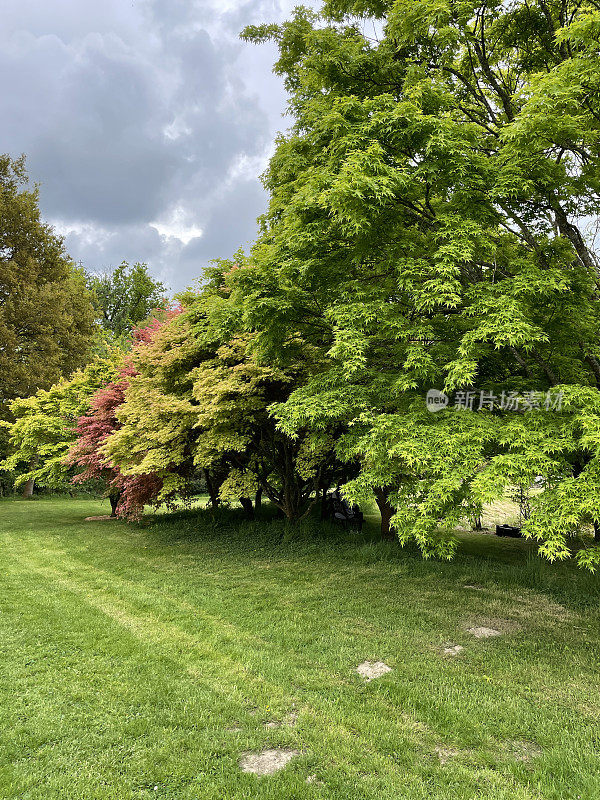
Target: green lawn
[142, 661]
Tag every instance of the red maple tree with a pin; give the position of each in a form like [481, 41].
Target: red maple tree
[128, 494]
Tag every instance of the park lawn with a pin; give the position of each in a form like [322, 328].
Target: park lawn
[142, 661]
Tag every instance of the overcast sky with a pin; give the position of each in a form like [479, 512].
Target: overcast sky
[147, 124]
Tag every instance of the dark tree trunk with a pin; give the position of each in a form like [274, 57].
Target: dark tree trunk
[28, 489]
[324, 491]
[212, 488]
[596, 531]
[387, 511]
[258, 500]
[114, 502]
[294, 497]
[246, 504]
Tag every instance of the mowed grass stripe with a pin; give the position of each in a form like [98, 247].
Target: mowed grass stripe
[180, 591]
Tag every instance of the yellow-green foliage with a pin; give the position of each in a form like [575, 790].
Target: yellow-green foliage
[239, 483]
[157, 415]
[44, 426]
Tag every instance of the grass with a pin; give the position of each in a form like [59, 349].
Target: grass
[142, 661]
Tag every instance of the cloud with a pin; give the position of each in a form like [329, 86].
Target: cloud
[146, 123]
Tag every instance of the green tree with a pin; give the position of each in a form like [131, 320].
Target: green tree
[46, 312]
[44, 426]
[126, 296]
[427, 228]
[200, 402]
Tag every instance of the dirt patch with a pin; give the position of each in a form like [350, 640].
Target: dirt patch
[481, 632]
[453, 650]
[103, 518]
[445, 754]
[372, 669]
[523, 751]
[267, 762]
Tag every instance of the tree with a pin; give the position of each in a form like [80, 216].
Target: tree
[126, 296]
[46, 312]
[200, 401]
[127, 494]
[426, 228]
[44, 426]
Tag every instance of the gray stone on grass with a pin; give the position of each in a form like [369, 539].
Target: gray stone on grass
[267, 762]
[372, 669]
[482, 632]
[453, 650]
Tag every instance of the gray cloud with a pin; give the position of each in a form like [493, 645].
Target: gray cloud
[147, 124]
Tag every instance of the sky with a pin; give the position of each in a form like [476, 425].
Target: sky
[146, 123]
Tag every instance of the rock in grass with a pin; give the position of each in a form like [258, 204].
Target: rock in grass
[453, 650]
[266, 762]
[483, 632]
[372, 669]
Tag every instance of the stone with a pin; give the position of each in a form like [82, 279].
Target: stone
[267, 762]
[483, 632]
[372, 669]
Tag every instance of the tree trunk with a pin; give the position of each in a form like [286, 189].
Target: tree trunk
[28, 489]
[597, 531]
[476, 525]
[212, 488]
[324, 498]
[258, 500]
[114, 502]
[246, 504]
[387, 511]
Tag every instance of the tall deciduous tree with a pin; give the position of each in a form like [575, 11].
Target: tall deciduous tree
[427, 227]
[46, 313]
[126, 296]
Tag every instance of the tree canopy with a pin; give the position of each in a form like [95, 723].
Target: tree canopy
[46, 313]
[427, 227]
[125, 296]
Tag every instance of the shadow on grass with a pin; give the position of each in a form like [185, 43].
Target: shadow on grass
[482, 560]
